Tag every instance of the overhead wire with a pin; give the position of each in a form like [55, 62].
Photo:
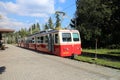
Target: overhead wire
[71, 5]
[66, 9]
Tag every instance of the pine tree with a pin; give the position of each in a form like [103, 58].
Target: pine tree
[35, 28]
[46, 27]
[38, 26]
[98, 20]
[88, 20]
[50, 23]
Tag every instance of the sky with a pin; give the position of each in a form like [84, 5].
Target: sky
[17, 14]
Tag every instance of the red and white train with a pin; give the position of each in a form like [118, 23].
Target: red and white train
[63, 43]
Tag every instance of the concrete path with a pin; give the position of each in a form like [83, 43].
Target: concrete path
[22, 64]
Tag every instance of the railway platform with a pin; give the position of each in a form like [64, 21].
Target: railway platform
[21, 64]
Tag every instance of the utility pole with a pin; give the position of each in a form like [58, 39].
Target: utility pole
[58, 20]
[60, 12]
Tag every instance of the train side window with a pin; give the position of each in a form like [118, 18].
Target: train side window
[33, 40]
[66, 37]
[30, 41]
[75, 37]
[41, 39]
[46, 39]
[56, 38]
[38, 39]
[27, 41]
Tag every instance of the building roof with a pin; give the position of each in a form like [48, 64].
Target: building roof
[6, 30]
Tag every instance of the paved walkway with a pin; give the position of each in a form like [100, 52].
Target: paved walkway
[21, 64]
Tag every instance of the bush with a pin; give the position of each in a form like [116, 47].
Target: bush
[114, 46]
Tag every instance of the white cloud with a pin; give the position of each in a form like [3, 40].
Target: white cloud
[62, 1]
[8, 23]
[28, 7]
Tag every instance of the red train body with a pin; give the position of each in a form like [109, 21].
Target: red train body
[63, 43]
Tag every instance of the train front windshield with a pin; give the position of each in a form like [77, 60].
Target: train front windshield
[67, 37]
[75, 37]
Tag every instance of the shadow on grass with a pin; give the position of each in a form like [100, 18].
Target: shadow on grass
[2, 69]
[118, 53]
[113, 56]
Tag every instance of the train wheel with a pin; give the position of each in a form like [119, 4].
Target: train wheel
[73, 56]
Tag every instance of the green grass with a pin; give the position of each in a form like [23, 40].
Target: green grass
[114, 52]
[103, 62]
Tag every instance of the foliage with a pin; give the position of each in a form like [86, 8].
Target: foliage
[98, 19]
[73, 23]
[35, 28]
[9, 38]
[13, 37]
[50, 23]
[38, 26]
[23, 33]
[46, 27]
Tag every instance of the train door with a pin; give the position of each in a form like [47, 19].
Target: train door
[51, 43]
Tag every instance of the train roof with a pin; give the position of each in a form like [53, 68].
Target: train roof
[53, 31]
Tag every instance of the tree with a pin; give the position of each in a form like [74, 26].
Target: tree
[46, 27]
[10, 38]
[110, 27]
[38, 26]
[23, 33]
[98, 19]
[34, 28]
[73, 23]
[114, 22]
[16, 35]
[87, 21]
[50, 23]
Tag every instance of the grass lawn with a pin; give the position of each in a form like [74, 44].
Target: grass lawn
[103, 62]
